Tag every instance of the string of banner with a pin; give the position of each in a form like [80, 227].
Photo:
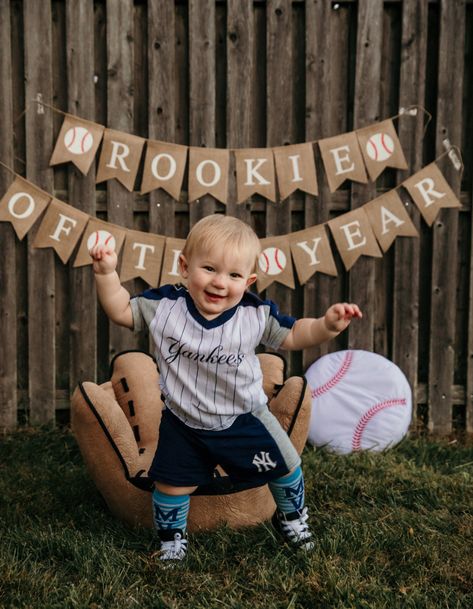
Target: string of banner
[360, 156]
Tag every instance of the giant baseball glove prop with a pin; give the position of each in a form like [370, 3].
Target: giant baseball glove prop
[116, 426]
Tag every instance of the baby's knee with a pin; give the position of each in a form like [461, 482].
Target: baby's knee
[167, 489]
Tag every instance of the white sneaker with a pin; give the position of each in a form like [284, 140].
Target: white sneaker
[173, 545]
[294, 528]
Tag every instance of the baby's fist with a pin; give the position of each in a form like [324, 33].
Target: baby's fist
[104, 259]
[338, 316]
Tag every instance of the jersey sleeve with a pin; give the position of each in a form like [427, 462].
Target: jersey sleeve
[144, 307]
[277, 326]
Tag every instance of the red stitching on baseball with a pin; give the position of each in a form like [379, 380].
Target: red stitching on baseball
[383, 142]
[318, 391]
[276, 257]
[366, 418]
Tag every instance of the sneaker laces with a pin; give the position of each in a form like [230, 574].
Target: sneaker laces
[175, 549]
[295, 529]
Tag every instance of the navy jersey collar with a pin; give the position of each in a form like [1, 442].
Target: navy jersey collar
[209, 323]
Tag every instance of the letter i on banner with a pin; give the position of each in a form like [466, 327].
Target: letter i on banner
[61, 228]
[295, 168]
[22, 205]
[142, 257]
[170, 272]
[78, 142]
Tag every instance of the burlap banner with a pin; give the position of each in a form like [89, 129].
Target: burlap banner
[164, 168]
[312, 253]
[380, 148]
[61, 228]
[389, 219]
[354, 237]
[348, 156]
[78, 142]
[274, 263]
[120, 158]
[142, 256]
[430, 192]
[22, 205]
[99, 232]
[355, 233]
[342, 160]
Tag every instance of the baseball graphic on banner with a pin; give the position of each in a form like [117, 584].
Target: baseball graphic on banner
[380, 147]
[360, 401]
[272, 261]
[101, 237]
[78, 140]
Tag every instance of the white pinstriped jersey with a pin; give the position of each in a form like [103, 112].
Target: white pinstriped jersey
[209, 372]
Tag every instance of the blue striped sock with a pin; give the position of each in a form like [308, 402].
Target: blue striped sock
[288, 491]
[170, 511]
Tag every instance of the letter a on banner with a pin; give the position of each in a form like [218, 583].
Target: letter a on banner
[22, 205]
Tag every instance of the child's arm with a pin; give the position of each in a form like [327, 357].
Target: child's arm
[309, 332]
[113, 297]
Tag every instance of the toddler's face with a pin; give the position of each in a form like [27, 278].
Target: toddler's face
[217, 279]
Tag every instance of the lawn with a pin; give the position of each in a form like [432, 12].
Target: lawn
[392, 530]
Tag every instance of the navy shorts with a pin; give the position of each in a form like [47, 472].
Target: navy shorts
[254, 448]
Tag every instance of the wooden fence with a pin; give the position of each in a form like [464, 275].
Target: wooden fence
[239, 74]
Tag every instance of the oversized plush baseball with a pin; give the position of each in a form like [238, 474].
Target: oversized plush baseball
[272, 261]
[360, 401]
[101, 237]
[78, 140]
[380, 146]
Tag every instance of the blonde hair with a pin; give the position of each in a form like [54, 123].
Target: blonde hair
[229, 232]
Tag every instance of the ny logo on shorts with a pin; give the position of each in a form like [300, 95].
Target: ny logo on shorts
[263, 462]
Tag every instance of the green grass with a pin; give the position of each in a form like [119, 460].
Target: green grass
[393, 530]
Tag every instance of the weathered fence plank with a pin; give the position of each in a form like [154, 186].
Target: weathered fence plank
[8, 314]
[279, 127]
[410, 129]
[445, 228]
[120, 36]
[202, 89]
[81, 189]
[41, 284]
[240, 45]
[162, 102]
[366, 111]
[319, 112]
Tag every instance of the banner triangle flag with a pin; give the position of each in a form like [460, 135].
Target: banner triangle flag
[380, 148]
[389, 219]
[342, 160]
[22, 205]
[295, 168]
[274, 263]
[354, 237]
[142, 257]
[99, 232]
[312, 253]
[61, 228]
[78, 142]
[120, 158]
